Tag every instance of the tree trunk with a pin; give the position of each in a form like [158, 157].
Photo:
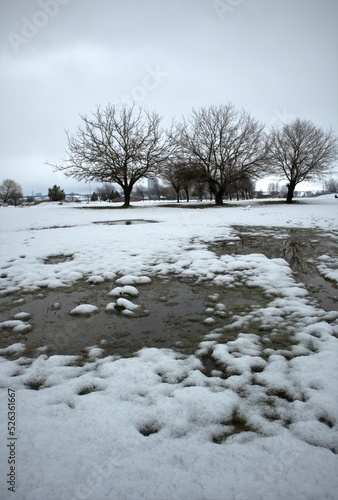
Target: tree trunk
[187, 194]
[291, 187]
[127, 194]
[216, 189]
[219, 198]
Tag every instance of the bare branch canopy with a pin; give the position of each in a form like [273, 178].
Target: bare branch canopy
[301, 151]
[228, 145]
[120, 145]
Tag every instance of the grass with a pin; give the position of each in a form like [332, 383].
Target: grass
[185, 204]
[236, 425]
[105, 207]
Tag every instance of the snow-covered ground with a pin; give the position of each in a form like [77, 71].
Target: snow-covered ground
[253, 417]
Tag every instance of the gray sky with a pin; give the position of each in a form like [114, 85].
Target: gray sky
[276, 59]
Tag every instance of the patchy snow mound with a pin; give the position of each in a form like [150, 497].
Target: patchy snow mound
[133, 280]
[94, 352]
[16, 325]
[126, 304]
[328, 267]
[123, 306]
[13, 349]
[209, 320]
[95, 279]
[84, 310]
[22, 315]
[124, 290]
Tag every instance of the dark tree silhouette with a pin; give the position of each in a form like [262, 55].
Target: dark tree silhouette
[226, 144]
[56, 193]
[300, 151]
[121, 145]
[10, 191]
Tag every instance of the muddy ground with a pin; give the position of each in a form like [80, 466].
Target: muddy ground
[172, 311]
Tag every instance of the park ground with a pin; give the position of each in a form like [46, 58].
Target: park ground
[169, 352]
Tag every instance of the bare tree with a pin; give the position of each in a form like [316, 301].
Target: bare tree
[181, 174]
[161, 191]
[173, 173]
[190, 178]
[200, 190]
[273, 189]
[228, 145]
[244, 188]
[107, 192]
[331, 185]
[10, 191]
[141, 192]
[116, 145]
[300, 151]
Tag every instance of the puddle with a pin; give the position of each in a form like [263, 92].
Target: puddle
[125, 222]
[50, 227]
[57, 259]
[122, 222]
[299, 247]
[172, 315]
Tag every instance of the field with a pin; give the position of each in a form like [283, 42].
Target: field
[169, 352]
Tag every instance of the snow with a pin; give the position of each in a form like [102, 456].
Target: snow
[95, 352]
[16, 325]
[125, 306]
[22, 315]
[84, 309]
[258, 421]
[95, 279]
[124, 290]
[328, 267]
[14, 348]
[133, 280]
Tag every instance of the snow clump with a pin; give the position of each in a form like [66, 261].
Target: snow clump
[84, 310]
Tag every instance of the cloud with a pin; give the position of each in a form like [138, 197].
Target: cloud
[261, 55]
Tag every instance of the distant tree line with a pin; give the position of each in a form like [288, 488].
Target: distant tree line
[216, 150]
[330, 185]
[105, 193]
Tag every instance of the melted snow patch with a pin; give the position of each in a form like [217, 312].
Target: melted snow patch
[84, 310]
[124, 290]
[95, 279]
[126, 304]
[123, 306]
[16, 325]
[13, 349]
[22, 315]
[94, 352]
[328, 267]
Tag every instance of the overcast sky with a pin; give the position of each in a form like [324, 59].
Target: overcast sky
[277, 59]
